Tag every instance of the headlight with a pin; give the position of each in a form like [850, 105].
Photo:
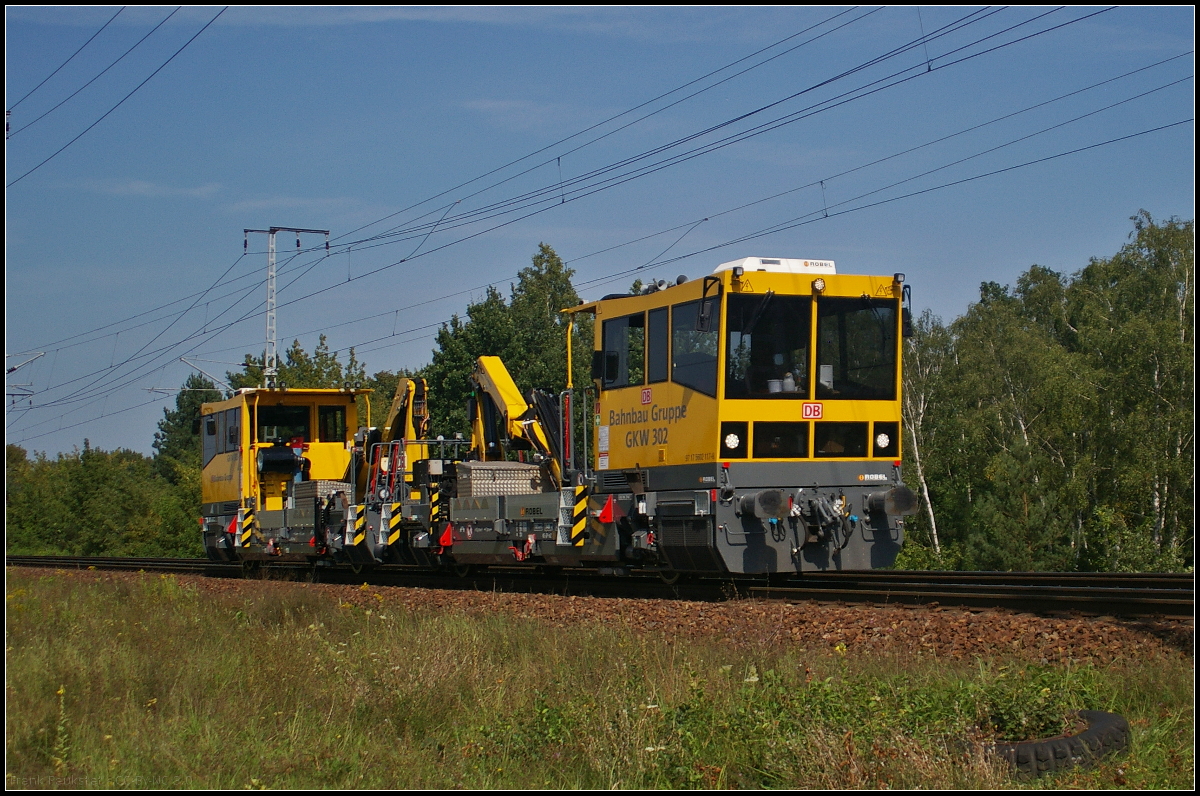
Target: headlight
[882, 440]
[732, 441]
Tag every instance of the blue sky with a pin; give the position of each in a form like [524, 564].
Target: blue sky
[883, 152]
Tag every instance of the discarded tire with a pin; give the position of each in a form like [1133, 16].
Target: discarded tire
[1106, 733]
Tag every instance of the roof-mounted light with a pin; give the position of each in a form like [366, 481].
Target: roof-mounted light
[818, 285]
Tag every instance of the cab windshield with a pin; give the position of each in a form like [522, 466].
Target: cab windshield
[856, 349]
[767, 346]
[283, 423]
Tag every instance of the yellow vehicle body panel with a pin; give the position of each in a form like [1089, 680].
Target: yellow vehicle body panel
[651, 425]
[222, 479]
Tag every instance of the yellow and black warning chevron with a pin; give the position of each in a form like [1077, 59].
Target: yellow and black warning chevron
[360, 524]
[247, 526]
[579, 516]
[435, 504]
[394, 520]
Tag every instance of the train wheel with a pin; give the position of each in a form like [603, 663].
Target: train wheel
[463, 570]
[669, 576]
[357, 569]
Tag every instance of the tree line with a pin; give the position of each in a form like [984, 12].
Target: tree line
[1050, 427]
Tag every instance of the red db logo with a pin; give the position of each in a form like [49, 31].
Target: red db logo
[811, 411]
[646, 396]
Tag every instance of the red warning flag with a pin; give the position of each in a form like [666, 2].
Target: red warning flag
[606, 513]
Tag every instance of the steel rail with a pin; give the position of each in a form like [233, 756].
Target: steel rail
[1118, 594]
[1173, 603]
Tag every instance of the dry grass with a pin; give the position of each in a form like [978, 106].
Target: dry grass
[117, 682]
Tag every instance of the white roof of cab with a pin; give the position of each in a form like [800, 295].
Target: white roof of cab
[779, 265]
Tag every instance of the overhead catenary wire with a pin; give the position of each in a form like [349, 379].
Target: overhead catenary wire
[974, 127]
[149, 365]
[72, 95]
[818, 216]
[553, 190]
[242, 294]
[203, 332]
[558, 158]
[547, 196]
[64, 147]
[165, 329]
[821, 216]
[547, 204]
[600, 124]
[13, 107]
[714, 72]
[76, 395]
[625, 178]
[941, 31]
[894, 155]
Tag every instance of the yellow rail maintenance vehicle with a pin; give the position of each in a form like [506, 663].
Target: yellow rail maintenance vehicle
[276, 466]
[750, 421]
[747, 422]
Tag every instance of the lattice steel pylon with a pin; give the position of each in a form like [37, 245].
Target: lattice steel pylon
[271, 357]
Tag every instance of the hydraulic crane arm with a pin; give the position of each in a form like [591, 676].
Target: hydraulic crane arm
[408, 418]
[498, 403]
[386, 464]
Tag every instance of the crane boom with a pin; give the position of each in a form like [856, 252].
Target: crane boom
[497, 402]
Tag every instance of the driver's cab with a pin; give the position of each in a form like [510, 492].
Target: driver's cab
[765, 359]
[259, 443]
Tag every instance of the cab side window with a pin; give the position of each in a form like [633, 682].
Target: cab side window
[624, 342]
[331, 423]
[658, 365]
[693, 352]
[232, 429]
[208, 437]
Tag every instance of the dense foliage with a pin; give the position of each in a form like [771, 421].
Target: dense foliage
[95, 502]
[1052, 425]
[1049, 427]
[527, 332]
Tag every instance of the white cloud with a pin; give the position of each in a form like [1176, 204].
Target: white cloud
[292, 203]
[522, 114]
[150, 189]
[639, 23]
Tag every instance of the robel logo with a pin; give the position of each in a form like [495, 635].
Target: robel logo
[647, 396]
[810, 411]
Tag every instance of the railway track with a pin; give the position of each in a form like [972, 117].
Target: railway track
[1116, 594]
